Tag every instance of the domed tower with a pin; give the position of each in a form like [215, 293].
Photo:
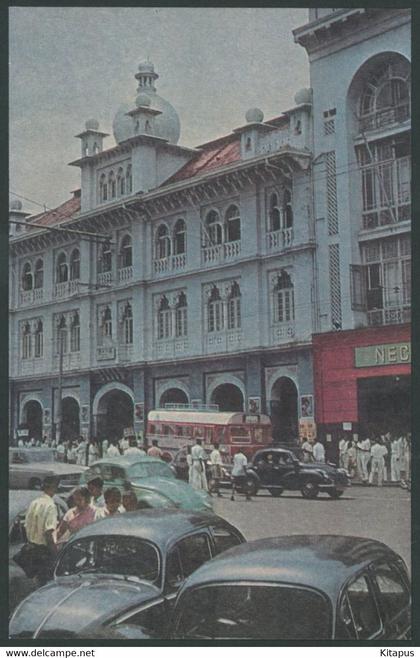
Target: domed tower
[16, 214]
[159, 119]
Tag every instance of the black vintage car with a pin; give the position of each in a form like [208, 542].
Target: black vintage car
[277, 469]
[320, 587]
[119, 577]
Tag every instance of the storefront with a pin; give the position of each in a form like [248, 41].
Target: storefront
[362, 383]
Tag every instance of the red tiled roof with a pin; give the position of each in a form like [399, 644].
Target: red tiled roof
[60, 214]
[215, 154]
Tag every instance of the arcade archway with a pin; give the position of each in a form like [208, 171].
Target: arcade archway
[284, 410]
[173, 396]
[229, 398]
[115, 414]
[32, 418]
[70, 424]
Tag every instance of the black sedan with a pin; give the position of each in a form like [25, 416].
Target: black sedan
[277, 469]
[297, 588]
[119, 576]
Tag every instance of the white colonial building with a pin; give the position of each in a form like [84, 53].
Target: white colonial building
[208, 270]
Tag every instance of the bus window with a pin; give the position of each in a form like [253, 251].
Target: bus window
[208, 434]
[166, 430]
[189, 431]
[240, 434]
[178, 430]
[152, 429]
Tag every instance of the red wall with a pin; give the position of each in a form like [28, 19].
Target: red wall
[335, 374]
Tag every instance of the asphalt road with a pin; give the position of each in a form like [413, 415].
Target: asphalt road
[379, 513]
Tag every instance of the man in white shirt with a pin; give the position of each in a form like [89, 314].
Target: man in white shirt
[307, 449]
[81, 452]
[113, 451]
[198, 466]
[378, 452]
[112, 505]
[396, 446]
[216, 468]
[240, 463]
[342, 447]
[40, 523]
[319, 452]
[124, 444]
[104, 447]
[133, 449]
[363, 455]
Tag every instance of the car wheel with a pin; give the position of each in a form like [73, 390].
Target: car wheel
[335, 493]
[310, 490]
[276, 493]
[35, 483]
[251, 487]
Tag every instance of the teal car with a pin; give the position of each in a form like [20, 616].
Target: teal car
[152, 481]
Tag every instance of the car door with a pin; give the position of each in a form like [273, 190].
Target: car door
[393, 593]
[358, 614]
[185, 556]
[264, 468]
[224, 538]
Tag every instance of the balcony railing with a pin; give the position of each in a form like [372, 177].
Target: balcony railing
[283, 332]
[280, 239]
[170, 263]
[66, 288]
[384, 118]
[28, 297]
[125, 274]
[104, 278]
[221, 252]
[391, 315]
[170, 347]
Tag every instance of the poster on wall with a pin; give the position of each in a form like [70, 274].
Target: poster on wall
[139, 411]
[307, 406]
[254, 405]
[307, 429]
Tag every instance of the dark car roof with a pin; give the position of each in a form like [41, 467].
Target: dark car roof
[160, 526]
[324, 562]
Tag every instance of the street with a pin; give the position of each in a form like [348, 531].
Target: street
[379, 513]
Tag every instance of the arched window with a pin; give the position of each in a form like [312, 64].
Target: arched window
[214, 228]
[179, 237]
[27, 278]
[39, 274]
[181, 328]
[274, 213]
[163, 242]
[62, 336]
[103, 189]
[106, 326]
[234, 307]
[215, 311]
[112, 185]
[121, 182]
[26, 341]
[287, 209]
[385, 98]
[284, 310]
[128, 180]
[126, 252]
[62, 270]
[127, 325]
[164, 319]
[105, 258]
[39, 339]
[147, 127]
[75, 333]
[75, 265]
[233, 224]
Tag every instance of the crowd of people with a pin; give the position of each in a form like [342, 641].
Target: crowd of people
[384, 458]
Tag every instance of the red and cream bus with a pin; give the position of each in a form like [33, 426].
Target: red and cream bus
[175, 429]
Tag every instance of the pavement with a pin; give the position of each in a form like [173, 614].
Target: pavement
[382, 513]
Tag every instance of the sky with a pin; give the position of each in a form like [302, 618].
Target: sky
[69, 64]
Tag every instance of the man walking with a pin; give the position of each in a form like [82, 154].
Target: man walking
[319, 452]
[113, 450]
[198, 467]
[363, 456]
[240, 463]
[133, 448]
[378, 452]
[216, 468]
[396, 445]
[40, 523]
[307, 450]
[154, 450]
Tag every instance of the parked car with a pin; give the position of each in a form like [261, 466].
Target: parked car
[29, 466]
[285, 471]
[120, 576]
[297, 588]
[152, 480]
[19, 583]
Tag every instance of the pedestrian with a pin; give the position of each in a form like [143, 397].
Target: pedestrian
[21, 443]
[92, 452]
[95, 486]
[307, 450]
[71, 453]
[104, 447]
[216, 463]
[76, 517]
[189, 464]
[61, 450]
[406, 459]
[396, 445]
[113, 450]
[240, 463]
[133, 448]
[351, 458]
[129, 501]
[112, 505]
[378, 452]
[198, 468]
[363, 447]
[40, 524]
[342, 448]
[319, 452]
[154, 450]
[81, 451]
[124, 444]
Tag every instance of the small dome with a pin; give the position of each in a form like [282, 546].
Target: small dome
[16, 204]
[143, 100]
[303, 96]
[92, 124]
[146, 67]
[254, 115]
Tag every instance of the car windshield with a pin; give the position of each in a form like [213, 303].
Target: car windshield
[240, 612]
[150, 470]
[116, 555]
